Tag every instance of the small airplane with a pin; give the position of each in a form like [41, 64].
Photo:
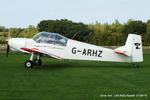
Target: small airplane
[60, 47]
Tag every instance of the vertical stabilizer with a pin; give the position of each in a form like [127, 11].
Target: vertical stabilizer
[134, 47]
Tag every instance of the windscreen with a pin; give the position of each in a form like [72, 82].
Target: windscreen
[51, 38]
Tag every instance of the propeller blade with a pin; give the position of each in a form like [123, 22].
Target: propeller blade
[7, 50]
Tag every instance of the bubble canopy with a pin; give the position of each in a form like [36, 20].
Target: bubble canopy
[51, 38]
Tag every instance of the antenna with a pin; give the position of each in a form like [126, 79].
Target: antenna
[74, 35]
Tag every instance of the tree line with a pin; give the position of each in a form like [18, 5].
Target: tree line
[96, 33]
[28, 32]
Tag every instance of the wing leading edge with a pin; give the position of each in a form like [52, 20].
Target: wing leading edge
[36, 50]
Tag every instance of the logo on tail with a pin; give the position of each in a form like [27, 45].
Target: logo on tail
[137, 45]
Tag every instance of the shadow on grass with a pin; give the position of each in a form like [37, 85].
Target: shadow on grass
[85, 64]
[52, 64]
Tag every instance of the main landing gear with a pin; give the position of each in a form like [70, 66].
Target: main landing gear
[136, 65]
[29, 63]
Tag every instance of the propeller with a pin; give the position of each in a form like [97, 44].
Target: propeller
[8, 48]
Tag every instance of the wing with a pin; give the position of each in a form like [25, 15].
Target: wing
[37, 50]
[30, 50]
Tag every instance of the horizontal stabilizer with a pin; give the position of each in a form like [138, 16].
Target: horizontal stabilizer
[121, 50]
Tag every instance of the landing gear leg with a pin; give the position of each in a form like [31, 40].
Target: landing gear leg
[38, 61]
[29, 63]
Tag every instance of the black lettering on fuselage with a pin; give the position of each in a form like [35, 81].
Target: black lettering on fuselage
[94, 53]
[84, 52]
[74, 50]
[99, 53]
[89, 52]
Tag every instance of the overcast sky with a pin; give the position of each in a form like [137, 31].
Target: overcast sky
[21, 13]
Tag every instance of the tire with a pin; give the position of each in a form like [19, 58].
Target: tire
[38, 62]
[28, 64]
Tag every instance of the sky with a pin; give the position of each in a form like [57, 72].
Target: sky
[22, 13]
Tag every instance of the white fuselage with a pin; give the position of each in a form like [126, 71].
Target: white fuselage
[74, 50]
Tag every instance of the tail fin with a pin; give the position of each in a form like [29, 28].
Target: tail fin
[132, 48]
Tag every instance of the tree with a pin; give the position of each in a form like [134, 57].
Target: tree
[15, 32]
[148, 27]
[3, 29]
[66, 28]
[135, 27]
[29, 32]
[116, 27]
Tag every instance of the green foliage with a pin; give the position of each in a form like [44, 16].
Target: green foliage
[3, 29]
[96, 33]
[135, 27]
[148, 27]
[15, 32]
[29, 32]
[116, 33]
[23, 32]
[65, 27]
[107, 34]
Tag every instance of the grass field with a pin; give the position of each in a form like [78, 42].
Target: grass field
[72, 80]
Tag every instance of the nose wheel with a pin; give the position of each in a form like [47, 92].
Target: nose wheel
[31, 62]
[28, 64]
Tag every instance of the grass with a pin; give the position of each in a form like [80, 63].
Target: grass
[71, 80]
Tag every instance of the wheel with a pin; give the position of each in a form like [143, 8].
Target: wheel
[136, 65]
[28, 64]
[38, 62]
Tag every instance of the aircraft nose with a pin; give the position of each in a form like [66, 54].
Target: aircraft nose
[16, 43]
[11, 42]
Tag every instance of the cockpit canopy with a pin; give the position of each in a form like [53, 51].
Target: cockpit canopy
[51, 38]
